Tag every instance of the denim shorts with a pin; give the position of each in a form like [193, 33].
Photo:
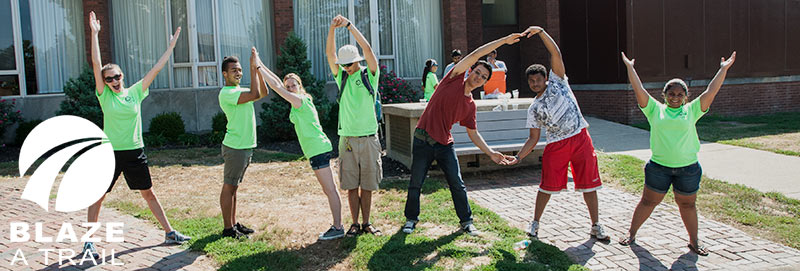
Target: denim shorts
[322, 160]
[684, 180]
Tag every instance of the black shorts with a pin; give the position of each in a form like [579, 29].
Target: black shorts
[132, 163]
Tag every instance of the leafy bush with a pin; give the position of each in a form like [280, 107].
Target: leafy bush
[8, 115]
[169, 125]
[24, 129]
[155, 140]
[189, 139]
[275, 125]
[396, 90]
[81, 99]
[219, 122]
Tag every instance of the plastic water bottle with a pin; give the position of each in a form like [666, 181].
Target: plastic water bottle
[522, 244]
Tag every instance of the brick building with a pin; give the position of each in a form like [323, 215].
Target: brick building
[45, 42]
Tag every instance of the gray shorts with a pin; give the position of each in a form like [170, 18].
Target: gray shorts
[236, 162]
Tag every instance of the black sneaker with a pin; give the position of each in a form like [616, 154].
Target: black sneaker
[241, 228]
[332, 233]
[233, 233]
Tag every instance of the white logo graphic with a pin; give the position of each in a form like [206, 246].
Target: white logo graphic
[86, 179]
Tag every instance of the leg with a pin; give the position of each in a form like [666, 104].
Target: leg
[355, 204]
[541, 201]
[155, 207]
[555, 160]
[686, 205]
[448, 161]
[94, 210]
[422, 157]
[226, 203]
[366, 204]
[233, 207]
[591, 202]
[650, 199]
[325, 179]
[585, 172]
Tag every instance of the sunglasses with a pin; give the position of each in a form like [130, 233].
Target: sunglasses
[347, 65]
[110, 79]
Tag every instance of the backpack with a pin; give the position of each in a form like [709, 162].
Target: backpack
[365, 80]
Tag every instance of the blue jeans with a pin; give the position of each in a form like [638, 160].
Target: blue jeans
[684, 180]
[423, 154]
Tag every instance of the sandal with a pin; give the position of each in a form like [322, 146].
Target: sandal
[368, 228]
[627, 241]
[354, 230]
[699, 249]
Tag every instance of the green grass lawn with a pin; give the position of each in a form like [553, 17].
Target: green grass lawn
[770, 215]
[435, 245]
[779, 133]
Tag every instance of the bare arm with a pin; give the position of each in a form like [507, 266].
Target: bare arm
[275, 83]
[711, 91]
[642, 97]
[497, 157]
[94, 24]
[330, 45]
[556, 62]
[476, 55]
[530, 144]
[369, 55]
[255, 92]
[151, 75]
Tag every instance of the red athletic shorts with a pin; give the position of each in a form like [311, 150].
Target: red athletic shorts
[576, 151]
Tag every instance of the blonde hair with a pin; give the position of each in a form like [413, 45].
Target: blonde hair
[300, 89]
[108, 67]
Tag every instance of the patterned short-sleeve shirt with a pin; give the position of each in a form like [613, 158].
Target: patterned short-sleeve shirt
[556, 111]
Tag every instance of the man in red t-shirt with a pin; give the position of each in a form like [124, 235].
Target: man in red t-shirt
[451, 102]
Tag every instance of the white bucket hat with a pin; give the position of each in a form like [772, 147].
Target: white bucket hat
[348, 54]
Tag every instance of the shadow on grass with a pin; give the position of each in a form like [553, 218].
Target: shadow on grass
[396, 254]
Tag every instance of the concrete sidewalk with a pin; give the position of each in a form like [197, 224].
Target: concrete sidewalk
[762, 170]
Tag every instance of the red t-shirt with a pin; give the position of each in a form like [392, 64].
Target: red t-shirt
[447, 106]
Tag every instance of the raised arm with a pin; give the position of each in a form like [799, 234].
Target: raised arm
[275, 83]
[151, 75]
[369, 55]
[330, 44]
[711, 91]
[485, 49]
[496, 156]
[255, 92]
[556, 62]
[642, 97]
[97, 63]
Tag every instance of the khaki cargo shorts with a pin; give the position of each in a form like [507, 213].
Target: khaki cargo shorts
[360, 162]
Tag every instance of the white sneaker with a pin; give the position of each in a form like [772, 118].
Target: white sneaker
[409, 226]
[471, 230]
[599, 233]
[534, 231]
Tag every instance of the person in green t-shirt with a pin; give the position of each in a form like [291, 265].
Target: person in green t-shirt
[240, 135]
[122, 123]
[429, 80]
[359, 148]
[674, 143]
[315, 144]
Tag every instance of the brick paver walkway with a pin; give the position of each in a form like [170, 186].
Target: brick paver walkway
[141, 250]
[661, 241]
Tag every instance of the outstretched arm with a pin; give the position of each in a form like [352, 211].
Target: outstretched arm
[255, 92]
[476, 55]
[556, 62]
[642, 97]
[530, 144]
[94, 24]
[330, 44]
[151, 75]
[275, 83]
[496, 156]
[711, 91]
[369, 55]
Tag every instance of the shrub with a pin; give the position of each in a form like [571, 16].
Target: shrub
[219, 122]
[396, 90]
[8, 115]
[275, 125]
[169, 125]
[81, 99]
[24, 129]
[155, 140]
[189, 139]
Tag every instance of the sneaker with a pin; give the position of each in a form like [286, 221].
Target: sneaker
[175, 237]
[470, 229]
[332, 233]
[599, 233]
[409, 226]
[241, 228]
[233, 233]
[534, 232]
[89, 247]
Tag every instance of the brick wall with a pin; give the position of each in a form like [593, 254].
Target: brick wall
[283, 19]
[454, 26]
[732, 100]
[101, 10]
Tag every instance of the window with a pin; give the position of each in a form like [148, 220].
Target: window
[211, 29]
[499, 12]
[386, 24]
[41, 45]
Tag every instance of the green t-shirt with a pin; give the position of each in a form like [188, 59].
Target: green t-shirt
[122, 116]
[673, 134]
[312, 139]
[430, 82]
[357, 106]
[241, 129]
